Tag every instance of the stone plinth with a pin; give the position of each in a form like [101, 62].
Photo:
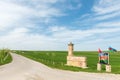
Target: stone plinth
[98, 66]
[76, 61]
[108, 68]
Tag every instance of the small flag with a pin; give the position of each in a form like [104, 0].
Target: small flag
[99, 50]
[112, 49]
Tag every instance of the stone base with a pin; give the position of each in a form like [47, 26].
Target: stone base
[108, 68]
[98, 66]
[77, 61]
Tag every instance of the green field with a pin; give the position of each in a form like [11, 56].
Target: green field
[5, 56]
[57, 59]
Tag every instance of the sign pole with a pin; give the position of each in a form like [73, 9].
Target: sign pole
[99, 58]
[108, 58]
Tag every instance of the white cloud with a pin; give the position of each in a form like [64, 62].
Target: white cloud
[115, 24]
[56, 29]
[66, 35]
[19, 18]
[9, 14]
[106, 6]
[12, 13]
[106, 9]
[20, 39]
[17, 21]
[57, 41]
[104, 23]
[107, 16]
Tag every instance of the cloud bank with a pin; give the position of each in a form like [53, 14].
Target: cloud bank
[40, 24]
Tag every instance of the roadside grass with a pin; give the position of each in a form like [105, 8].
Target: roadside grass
[57, 59]
[5, 56]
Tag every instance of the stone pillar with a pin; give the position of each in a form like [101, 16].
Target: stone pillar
[70, 49]
[98, 66]
[108, 68]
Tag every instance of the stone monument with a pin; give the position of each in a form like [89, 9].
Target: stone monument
[74, 60]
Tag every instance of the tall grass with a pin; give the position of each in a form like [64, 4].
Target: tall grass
[57, 59]
[5, 56]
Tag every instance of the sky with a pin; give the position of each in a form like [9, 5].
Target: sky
[52, 24]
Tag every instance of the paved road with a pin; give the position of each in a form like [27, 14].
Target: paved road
[22, 68]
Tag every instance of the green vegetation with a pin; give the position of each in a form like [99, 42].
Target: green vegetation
[57, 59]
[5, 56]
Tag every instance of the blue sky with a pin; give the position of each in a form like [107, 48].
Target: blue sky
[52, 24]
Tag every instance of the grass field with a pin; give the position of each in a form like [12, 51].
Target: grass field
[5, 57]
[57, 59]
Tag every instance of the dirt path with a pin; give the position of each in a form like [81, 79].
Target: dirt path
[23, 68]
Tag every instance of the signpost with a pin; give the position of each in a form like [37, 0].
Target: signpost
[103, 59]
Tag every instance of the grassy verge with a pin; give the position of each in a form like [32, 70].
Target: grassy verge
[57, 59]
[5, 57]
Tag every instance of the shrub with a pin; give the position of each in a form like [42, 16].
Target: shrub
[5, 56]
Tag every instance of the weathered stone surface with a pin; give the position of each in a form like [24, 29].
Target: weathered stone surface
[70, 49]
[74, 60]
[108, 68]
[98, 66]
